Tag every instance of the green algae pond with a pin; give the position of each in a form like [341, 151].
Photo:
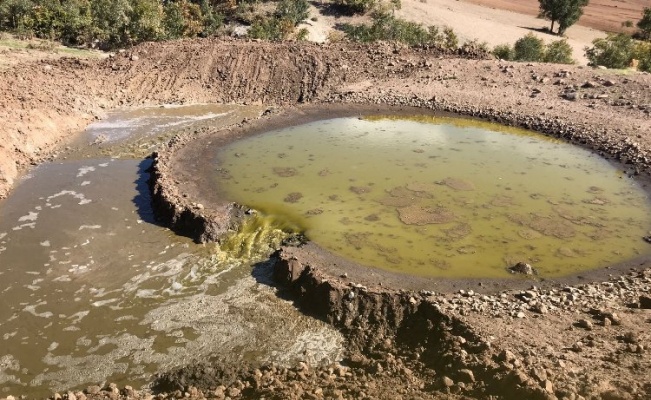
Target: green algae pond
[440, 197]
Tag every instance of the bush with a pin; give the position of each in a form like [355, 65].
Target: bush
[356, 6]
[387, 27]
[558, 52]
[282, 23]
[642, 53]
[529, 48]
[503, 52]
[295, 11]
[615, 51]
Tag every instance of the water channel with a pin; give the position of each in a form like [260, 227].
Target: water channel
[94, 291]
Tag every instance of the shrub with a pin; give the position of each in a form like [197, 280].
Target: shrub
[356, 6]
[642, 53]
[529, 48]
[503, 51]
[387, 27]
[558, 52]
[281, 24]
[614, 51]
[295, 11]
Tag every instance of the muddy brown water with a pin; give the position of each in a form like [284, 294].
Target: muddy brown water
[441, 197]
[94, 291]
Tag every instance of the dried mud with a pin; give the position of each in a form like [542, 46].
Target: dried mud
[583, 337]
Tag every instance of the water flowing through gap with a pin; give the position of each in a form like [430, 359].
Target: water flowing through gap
[441, 197]
[94, 291]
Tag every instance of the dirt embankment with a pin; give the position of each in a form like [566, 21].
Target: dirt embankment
[44, 102]
[584, 341]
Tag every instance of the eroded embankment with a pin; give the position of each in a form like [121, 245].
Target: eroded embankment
[43, 103]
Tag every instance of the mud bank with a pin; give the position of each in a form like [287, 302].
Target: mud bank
[589, 340]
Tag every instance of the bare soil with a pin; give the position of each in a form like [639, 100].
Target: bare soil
[588, 340]
[603, 15]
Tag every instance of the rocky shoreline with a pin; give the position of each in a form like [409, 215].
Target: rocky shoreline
[581, 341]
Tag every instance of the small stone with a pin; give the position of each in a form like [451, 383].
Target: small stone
[134, 57]
[466, 375]
[523, 268]
[506, 355]
[607, 322]
[520, 315]
[585, 324]
[447, 382]
[549, 387]
[71, 396]
[94, 389]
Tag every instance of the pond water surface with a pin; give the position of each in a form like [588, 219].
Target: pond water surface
[441, 197]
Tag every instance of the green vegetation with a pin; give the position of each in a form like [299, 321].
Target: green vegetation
[356, 6]
[558, 52]
[565, 12]
[109, 23]
[619, 51]
[281, 24]
[387, 27]
[532, 48]
[644, 24]
[529, 48]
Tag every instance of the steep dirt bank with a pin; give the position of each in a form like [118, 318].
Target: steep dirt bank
[562, 342]
[38, 114]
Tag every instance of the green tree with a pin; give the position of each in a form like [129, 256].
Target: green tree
[529, 48]
[15, 14]
[644, 24]
[614, 51]
[110, 22]
[565, 12]
[145, 21]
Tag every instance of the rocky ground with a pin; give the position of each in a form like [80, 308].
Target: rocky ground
[543, 340]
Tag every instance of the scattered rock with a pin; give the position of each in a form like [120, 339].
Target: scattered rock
[523, 268]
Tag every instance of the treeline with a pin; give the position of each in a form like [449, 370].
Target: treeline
[110, 24]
